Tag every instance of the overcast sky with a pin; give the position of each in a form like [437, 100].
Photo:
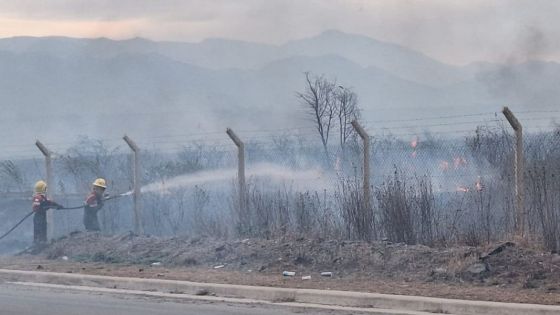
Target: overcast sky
[453, 31]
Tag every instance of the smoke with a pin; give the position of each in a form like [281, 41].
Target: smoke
[523, 81]
[532, 44]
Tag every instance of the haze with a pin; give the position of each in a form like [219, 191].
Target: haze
[456, 32]
[146, 68]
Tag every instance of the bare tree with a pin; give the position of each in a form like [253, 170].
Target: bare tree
[320, 99]
[11, 174]
[88, 159]
[346, 111]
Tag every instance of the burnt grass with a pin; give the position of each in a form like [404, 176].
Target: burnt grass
[505, 265]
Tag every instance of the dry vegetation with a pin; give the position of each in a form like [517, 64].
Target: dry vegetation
[411, 204]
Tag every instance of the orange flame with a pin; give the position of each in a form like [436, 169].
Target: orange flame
[463, 189]
[414, 142]
[478, 185]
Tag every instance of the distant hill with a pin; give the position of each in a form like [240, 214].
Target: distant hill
[56, 88]
[222, 54]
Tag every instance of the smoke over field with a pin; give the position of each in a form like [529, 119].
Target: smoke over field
[433, 189]
[441, 155]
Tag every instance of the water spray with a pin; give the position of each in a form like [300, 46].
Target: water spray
[272, 172]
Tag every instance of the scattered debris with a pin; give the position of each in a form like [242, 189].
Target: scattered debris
[497, 250]
[157, 263]
[219, 267]
[439, 270]
[303, 260]
[65, 258]
[176, 292]
[39, 267]
[202, 291]
[439, 273]
[288, 273]
[306, 278]
[505, 265]
[326, 274]
[477, 269]
[286, 299]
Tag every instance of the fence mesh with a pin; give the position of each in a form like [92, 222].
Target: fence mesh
[435, 188]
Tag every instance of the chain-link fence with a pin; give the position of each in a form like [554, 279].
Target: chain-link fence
[542, 187]
[434, 188]
[441, 189]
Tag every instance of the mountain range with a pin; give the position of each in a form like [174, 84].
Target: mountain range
[56, 88]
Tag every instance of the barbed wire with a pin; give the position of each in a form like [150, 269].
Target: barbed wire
[434, 118]
[253, 136]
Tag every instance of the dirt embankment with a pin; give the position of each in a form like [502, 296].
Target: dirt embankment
[502, 272]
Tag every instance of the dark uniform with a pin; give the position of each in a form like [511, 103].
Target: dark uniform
[40, 206]
[94, 203]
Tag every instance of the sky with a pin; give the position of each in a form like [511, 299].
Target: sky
[453, 31]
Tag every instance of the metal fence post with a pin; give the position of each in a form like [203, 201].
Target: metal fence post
[50, 186]
[519, 170]
[366, 187]
[240, 168]
[137, 179]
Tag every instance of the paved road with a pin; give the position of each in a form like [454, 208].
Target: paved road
[24, 300]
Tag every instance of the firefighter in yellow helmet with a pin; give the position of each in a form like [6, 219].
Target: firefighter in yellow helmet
[94, 203]
[40, 206]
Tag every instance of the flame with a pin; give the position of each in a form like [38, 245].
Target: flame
[413, 145]
[463, 189]
[414, 142]
[478, 185]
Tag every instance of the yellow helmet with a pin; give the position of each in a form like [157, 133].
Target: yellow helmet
[100, 182]
[40, 187]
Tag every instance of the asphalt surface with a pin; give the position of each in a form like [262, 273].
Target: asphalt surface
[23, 300]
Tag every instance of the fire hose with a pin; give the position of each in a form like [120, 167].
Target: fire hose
[104, 199]
[63, 208]
[15, 226]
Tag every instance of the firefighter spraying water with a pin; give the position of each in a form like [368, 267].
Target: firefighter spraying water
[41, 204]
[96, 199]
[94, 203]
